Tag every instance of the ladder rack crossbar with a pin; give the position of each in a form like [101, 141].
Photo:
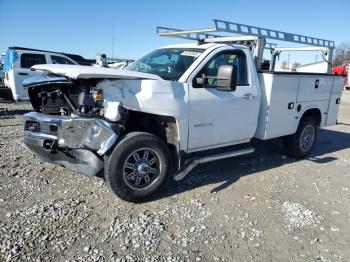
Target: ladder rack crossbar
[197, 35]
[232, 27]
[239, 40]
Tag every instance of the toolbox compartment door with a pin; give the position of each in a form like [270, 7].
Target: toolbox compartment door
[314, 88]
[278, 107]
[334, 101]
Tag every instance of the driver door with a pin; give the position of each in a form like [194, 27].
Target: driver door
[218, 118]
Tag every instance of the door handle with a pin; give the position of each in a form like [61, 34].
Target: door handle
[248, 96]
[317, 83]
[23, 74]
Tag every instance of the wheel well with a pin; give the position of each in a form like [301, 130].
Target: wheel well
[314, 113]
[163, 127]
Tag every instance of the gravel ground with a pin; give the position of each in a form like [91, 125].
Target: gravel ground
[263, 207]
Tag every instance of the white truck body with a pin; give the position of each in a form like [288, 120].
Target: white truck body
[262, 103]
[20, 69]
[185, 100]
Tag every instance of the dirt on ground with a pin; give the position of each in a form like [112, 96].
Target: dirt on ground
[262, 207]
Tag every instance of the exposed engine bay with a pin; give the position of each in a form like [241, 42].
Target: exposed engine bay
[67, 98]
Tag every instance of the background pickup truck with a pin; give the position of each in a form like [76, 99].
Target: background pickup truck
[174, 108]
[17, 64]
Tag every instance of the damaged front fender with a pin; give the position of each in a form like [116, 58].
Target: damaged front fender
[156, 97]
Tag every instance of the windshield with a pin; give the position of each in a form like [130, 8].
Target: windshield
[169, 64]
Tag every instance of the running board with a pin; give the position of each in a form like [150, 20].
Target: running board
[191, 164]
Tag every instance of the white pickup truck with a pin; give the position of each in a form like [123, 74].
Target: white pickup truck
[175, 108]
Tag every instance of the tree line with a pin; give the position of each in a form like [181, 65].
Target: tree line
[341, 54]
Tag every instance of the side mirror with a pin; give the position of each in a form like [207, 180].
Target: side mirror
[226, 79]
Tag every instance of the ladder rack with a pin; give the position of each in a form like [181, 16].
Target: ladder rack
[231, 27]
[251, 36]
[242, 29]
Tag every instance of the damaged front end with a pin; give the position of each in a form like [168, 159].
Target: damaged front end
[73, 142]
[68, 128]
[80, 112]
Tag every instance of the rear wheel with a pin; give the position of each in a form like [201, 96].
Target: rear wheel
[138, 167]
[303, 141]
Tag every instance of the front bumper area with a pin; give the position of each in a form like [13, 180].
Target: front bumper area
[73, 142]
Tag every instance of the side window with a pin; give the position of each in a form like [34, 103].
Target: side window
[28, 60]
[236, 58]
[60, 60]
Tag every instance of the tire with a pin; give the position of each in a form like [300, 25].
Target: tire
[293, 144]
[6, 94]
[134, 175]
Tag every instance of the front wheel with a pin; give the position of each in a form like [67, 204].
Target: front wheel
[138, 167]
[303, 141]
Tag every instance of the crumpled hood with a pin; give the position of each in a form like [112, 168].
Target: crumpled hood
[149, 96]
[87, 72]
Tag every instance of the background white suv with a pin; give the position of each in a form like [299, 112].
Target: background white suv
[17, 64]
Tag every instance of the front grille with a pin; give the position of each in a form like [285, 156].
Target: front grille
[32, 126]
[40, 127]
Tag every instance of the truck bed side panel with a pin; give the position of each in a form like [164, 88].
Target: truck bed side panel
[284, 93]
